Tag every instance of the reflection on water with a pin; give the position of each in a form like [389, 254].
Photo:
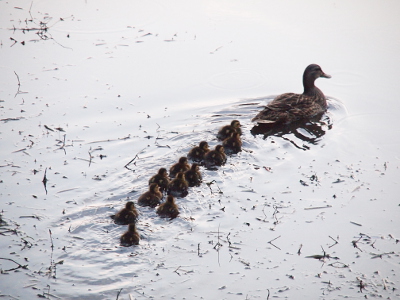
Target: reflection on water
[310, 131]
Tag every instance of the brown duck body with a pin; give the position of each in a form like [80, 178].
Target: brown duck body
[215, 157]
[152, 197]
[130, 237]
[179, 186]
[127, 215]
[193, 176]
[181, 166]
[168, 209]
[291, 107]
[161, 178]
[227, 130]
[197, 153]
[233, 144]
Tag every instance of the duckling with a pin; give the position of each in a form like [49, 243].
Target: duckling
[193, 176]
[291, 107]
[161, 178]
[197, 153]
[215, 157]
[130, 237]
[152, 197]
[127, 215]
[227, 130]
[168, 209]
[233, 144]
[179, 186]
[181, 166]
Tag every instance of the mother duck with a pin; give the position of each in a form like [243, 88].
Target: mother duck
[290, 107]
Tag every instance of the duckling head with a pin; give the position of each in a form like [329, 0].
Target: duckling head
[183, 160]
[180, 175]
[154, 188]
[130, 205]
[219, 148]
[203, 145]
[163, 172]
[235, 124]
[132, 227]
[170, 199]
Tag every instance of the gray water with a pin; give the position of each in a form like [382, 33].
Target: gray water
[145, 81]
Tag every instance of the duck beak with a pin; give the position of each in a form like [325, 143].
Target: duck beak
[325, 75]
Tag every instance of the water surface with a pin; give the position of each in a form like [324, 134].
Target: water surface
[146, 81]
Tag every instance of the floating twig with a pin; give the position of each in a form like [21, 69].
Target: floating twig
[354, 223]
[338, 264]
[51, 239]
[212, 182]
[299, 251]
[118, 294]
[19, 85]
[133, 159]
[45, 180]
[19, 265]
[382, 254]
[270, 242]
[318, 207]
[336, 242]
[322, 257]
[355, 243]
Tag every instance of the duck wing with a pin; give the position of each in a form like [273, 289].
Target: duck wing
[287, 108]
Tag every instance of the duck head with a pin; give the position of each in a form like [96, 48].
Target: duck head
[311, 73]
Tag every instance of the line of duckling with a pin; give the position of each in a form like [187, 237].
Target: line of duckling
[181, 177]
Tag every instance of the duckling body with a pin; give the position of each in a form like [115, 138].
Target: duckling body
[179, 186]
[127, 215]
[291, 107]
[161, 178]
[197, 153]
[215, 157]
[152, 197]
[168, 209]
[227, 130]
[233, 144]
[130, 237]
[193, 176]
[181, 166]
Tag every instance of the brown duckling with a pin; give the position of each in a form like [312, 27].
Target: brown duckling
[233, 144]
[193, 176]
[179, 186]
[152, 197]
[130, 237]
[181, 166]
[197, 153]
[227, 130]
[215, 157]
[291, 107]
[127, 215]
[168, 209]
[161, 178]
